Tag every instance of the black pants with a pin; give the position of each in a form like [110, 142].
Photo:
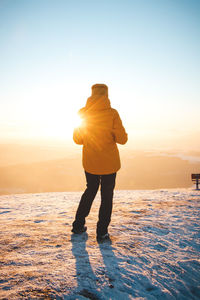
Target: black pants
[105, 210]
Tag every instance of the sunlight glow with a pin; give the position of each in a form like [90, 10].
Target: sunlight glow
[77, 121]
[62, 127]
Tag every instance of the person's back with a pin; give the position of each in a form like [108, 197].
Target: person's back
[101, 130]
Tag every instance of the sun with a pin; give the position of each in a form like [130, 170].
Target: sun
[61, 126]
[77, 121]
[53, 119]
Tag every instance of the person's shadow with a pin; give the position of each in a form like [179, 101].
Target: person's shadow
[114, 272]
[114, 280]
[86, 279]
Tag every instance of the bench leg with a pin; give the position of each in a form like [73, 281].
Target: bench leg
[197, 183]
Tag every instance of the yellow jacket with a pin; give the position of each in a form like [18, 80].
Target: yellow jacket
[100, 131]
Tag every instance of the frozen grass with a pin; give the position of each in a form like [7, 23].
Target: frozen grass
[154, 252]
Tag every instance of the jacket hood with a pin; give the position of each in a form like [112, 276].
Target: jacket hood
[95, 103]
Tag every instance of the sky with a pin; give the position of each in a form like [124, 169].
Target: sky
[146, 51]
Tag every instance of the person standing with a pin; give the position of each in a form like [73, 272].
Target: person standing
[99, 134]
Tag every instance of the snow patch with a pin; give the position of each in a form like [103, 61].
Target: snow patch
[153, 253]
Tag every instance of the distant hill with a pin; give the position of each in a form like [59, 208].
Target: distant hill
[140, 170]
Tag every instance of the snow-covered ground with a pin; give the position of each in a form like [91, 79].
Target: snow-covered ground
[154, 254]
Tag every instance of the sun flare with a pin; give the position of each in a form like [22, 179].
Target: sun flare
[63, 127]
[77, 121]
[56, 124]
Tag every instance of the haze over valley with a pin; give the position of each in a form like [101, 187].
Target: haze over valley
[33, 168]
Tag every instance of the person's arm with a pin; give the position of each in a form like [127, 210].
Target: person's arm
[79, 131]
[78, 136]
[119, 133]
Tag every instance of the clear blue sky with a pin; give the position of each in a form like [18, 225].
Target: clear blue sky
[147, 51]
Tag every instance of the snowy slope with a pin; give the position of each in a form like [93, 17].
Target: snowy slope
[154, 252]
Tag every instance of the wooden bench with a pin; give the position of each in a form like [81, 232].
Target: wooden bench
[196, 178]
